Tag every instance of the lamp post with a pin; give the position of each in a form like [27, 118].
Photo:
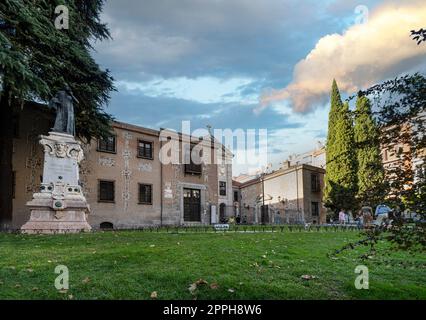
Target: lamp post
[262, 175]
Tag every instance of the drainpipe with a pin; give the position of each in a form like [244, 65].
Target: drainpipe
[161, 183]
[297, 191]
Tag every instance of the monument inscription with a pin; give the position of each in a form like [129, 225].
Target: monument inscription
[65, 170]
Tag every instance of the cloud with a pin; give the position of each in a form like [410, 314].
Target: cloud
[169, 112]
[363, 55]
[190, 38]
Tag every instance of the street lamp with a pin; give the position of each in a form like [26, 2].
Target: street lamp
[262, 176]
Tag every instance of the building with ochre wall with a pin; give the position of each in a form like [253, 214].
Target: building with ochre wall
[291, 195]
[124, 181]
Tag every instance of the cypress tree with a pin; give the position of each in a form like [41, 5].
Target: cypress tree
[340, 178]
[370, 168]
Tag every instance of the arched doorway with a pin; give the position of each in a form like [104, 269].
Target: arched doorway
[222, 213]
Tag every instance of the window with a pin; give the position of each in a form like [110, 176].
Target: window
[106, 191]
[13, 184]
[315, 209]
[315, 184]
[145, 194]
[222, 188]
[236, 196]
[145, 149]
[107, 144]
[192, 167]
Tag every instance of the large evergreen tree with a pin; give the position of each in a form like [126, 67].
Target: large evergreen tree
[371, 188]
[37, 60]
[340, 178]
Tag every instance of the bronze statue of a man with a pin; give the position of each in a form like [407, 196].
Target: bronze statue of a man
[62, 102]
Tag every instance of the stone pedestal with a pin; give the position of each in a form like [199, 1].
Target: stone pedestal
[60, 206]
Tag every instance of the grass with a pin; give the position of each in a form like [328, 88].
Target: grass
[261, 265]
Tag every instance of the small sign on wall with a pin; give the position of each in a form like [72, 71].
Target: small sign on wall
[168, 193]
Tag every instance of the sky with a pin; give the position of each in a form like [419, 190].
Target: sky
[245, 64]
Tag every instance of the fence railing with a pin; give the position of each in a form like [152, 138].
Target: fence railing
[246, 228]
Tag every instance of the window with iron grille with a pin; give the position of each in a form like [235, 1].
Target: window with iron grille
[145, 193]
[192, 167]
[315, 209]
[107, 144]
[236, 197]
[315, 183]
[106, 191]
[145, 149]
[222, 188]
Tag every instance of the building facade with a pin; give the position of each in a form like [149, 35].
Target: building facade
[290, 195]
[124, 181]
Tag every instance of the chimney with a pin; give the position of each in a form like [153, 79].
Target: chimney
[285, 165]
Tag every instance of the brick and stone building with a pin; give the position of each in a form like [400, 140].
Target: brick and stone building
[124, 181]
[292, 194]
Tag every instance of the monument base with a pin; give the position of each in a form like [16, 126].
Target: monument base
[44, 219]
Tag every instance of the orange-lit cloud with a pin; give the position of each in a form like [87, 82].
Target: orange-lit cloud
[363, 55]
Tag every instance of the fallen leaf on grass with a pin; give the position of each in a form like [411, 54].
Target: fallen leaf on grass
[214, 286]
[154, 295]
[308, 277]
[200, 281]
[192, 288]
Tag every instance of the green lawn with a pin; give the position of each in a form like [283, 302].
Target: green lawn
[133, 264]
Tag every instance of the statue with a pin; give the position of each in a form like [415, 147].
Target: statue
[62, 102]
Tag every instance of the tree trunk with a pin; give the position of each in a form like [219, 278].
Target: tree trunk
[6, 153]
